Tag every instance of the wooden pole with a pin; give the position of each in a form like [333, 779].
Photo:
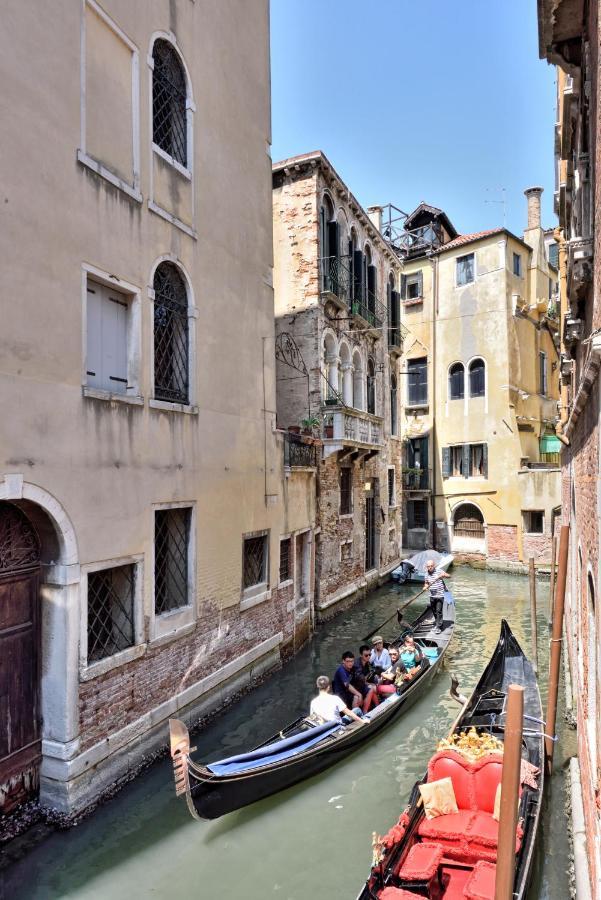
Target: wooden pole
[395, 613]
[532, 573]
[510, 786]
[555, 655]
[552, 582]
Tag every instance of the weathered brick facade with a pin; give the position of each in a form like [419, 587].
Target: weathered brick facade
[502, 542]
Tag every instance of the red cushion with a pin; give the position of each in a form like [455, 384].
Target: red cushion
[421, 862]
[453, 826]
[481, 883]
[483, 831]
[395, 893]
[448, 764]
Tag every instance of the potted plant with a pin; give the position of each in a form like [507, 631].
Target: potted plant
[328, 427]
[310, 424]
[294, 429]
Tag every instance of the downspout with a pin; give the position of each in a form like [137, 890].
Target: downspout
[563, 312]
[434, 261]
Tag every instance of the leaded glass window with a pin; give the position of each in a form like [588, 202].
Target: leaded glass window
[110, 611]
[169, 125]
[170, 335]
[255, 561]
[171, 547]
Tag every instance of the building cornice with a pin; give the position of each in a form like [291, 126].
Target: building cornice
[587, 380]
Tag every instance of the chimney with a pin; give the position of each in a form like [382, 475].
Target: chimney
[375, 215]
[533, 195]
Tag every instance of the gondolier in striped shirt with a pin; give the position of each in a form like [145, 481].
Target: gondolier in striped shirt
[435, 584]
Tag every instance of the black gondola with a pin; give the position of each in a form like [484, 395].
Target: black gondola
[467, 838]
[302, 749]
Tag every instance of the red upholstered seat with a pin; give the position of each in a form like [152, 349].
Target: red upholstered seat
[451, 827]
[394, 893]
[422, 862]
[484, 829]
[475, 783]
[481, 883]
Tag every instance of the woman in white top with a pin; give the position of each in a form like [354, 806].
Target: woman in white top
[329, 707]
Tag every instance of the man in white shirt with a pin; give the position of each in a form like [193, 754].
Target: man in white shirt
[330, 707]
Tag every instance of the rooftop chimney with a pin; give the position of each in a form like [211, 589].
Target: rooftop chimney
[533, 195]
[375, 214]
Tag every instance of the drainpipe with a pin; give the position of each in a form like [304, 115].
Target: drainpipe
[563, 311]
[434, 261]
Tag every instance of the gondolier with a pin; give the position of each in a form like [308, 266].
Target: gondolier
[435, 584]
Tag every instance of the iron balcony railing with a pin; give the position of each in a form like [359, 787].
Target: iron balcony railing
[298, 452]
[335, 275]
[396, 335]
[371, 310]
[419, 241]
[416, 479]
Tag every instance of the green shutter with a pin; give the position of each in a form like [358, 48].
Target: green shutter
[446, 462]
[420, 283]
[485, 460]
[466, 461]
[403, 287]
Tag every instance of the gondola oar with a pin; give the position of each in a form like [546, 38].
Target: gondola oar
[395, 613]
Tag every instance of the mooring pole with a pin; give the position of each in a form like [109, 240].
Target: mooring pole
[552, 582]
[510, 786]
[555, 654]
[532, 574]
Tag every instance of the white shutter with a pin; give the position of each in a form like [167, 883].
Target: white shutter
[106, 359]
[93, 336]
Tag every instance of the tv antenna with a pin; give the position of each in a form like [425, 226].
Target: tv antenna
[503, 201]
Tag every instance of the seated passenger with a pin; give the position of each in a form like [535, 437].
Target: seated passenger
[379, 657]
[363, 674]
[392, 676]
[328, 707]
[342, 684]
[411, 655]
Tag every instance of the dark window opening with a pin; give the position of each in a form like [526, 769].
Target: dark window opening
[169, 125]
[346, 491]
[110, 611]
[371, 387]
[171, 540]
[417, 514]
[417, 382]
[391, 486]
[255, 561]
[170, 335]
[534, 521]
[477, 378]
[456, 382]
[285, 560]
[517, 264]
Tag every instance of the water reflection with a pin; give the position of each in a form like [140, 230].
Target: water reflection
[314, 838]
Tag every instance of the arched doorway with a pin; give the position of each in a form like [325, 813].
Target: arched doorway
[20, 734]
[469, 533]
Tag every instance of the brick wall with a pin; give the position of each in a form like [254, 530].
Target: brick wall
[502, 542]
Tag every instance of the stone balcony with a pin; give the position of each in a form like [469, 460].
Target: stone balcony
[352, 431]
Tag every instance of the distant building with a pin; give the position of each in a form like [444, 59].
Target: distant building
[336, 283]
[156, 544]
[479, 389]
[569, 38]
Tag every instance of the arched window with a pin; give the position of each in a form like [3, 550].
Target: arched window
[329, 240]
[330, 369]
[477, 378]
[393, 405]
[169, 119]
[171, 350]
[371, 285]
[358, 373]
[371, 386]
[468, 521]
[456, 382]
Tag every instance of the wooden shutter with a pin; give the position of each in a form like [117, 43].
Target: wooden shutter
[485, 460]
[403, 287]
[466, 461]
[395, 309]
[333, 239]
[410, 455]
[424, 453]
[106, 324]
[420, 283]
[446, 462]
[358, 274]
[93, 335]
[372, 279]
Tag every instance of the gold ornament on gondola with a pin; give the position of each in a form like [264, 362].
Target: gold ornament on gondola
[471, 744]
[377, 844]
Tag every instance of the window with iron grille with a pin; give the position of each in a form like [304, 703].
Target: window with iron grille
[170, 335]
[110, 611]
[169, 125]
[391, 488]
[254, 565]
[417, 514]
[285, 560]
[171, 548]
[346, 491]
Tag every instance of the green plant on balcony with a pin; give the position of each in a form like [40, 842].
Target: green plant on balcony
[310, 424]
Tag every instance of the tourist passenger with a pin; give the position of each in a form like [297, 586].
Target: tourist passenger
[395, 673]
[342, 684]
[379, 657]
[411, 656]
[364, 678]
[434, 582]
[328, 706]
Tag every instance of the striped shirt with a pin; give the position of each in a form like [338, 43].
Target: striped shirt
[436, 585]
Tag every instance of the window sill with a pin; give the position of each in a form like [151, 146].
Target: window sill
[414, 301]
[98, 394]
[159, 211]
[183, 170]
[169, 636]
[415, 406]
[172, 624]
[342, 516]
[285, 584]
[90, 163]
[249, 600]
[89, 672]
[167, 406]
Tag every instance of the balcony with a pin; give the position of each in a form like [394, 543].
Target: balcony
[299, 452]
[335, 280]
[353, 430]
[416, 479]
[396, 336]
[369, 312]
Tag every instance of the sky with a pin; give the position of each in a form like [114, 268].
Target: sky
[415, 100]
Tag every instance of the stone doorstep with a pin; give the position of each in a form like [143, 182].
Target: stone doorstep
[69, 785]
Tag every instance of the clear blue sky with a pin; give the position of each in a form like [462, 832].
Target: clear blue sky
[418, 100]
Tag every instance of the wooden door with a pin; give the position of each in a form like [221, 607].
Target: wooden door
[20, 736]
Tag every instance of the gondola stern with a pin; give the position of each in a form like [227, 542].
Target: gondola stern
[179, 743]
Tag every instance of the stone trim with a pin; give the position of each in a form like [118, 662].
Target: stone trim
[587, 380]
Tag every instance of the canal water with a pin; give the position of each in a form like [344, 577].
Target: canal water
[313, 840]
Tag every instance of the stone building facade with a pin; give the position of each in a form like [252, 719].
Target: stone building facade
[336, 283]
[156, 541]
[480, 389]
[569, 39]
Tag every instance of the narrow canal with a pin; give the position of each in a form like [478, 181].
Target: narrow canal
[314, 839]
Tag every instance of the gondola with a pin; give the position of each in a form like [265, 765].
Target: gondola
[302, 749]
[453, 855]
[414, 568]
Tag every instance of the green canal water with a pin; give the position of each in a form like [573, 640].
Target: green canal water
[313, 840]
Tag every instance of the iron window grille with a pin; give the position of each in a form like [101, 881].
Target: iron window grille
[346, 492]
[417, 514]
[110, 611]
[171, 543]
[255, 561]
[477, 379]
[285, 560]
[169, 125]
[170, 335]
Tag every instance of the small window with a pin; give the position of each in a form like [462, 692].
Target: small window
[391, 488]
[171, 548]
[553, 251]
[465, 269]
[456, 382]
[477, 378]
[346, 491]
[417, 514]
[254, 569]
[477, 461]
[107, 321]
[169, 120]
[285, 560]
[346, 551]
[171, 349]
[110, 611]
[542, 364]
[457, 461]
[414, 286]
[417, 382]
[534, 521]
[517, 265]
